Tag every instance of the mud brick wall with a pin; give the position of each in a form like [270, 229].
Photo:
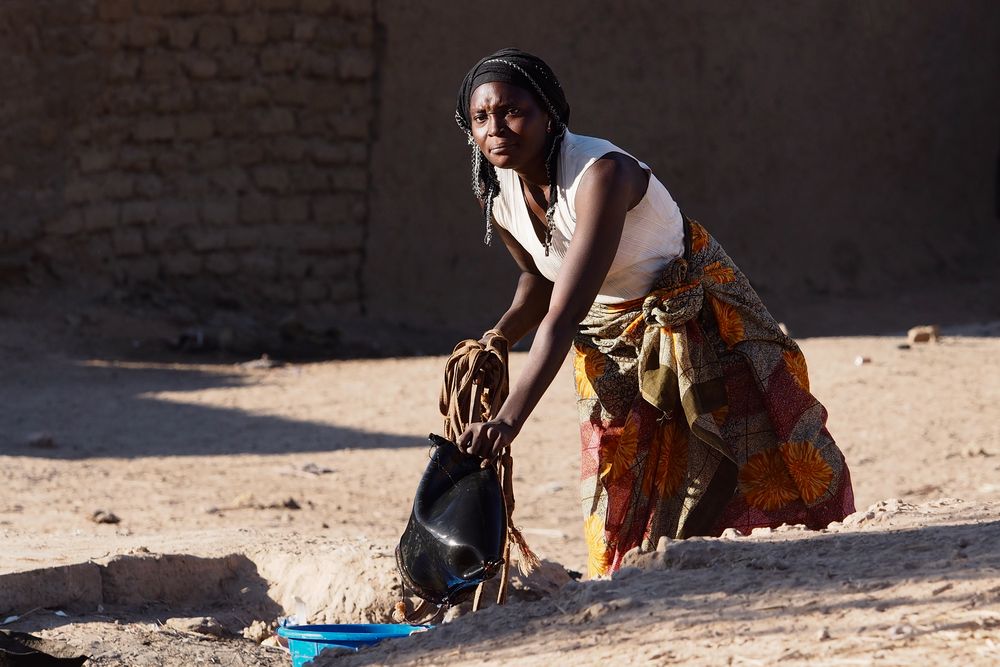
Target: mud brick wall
[216, 150]
[300, 157]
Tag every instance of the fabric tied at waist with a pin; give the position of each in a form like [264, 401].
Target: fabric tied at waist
[663, 451]
[675, 366]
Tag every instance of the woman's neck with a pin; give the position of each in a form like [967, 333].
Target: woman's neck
[534, 176]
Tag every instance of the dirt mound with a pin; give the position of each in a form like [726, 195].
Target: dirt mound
[922, 581]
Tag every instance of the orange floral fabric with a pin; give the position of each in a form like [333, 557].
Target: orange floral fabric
[696, 415]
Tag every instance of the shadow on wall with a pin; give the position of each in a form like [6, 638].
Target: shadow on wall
[836, 150]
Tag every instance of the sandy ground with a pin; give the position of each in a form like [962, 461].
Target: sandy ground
[204, 456]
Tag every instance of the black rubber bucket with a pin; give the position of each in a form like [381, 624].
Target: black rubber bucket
[458, 527]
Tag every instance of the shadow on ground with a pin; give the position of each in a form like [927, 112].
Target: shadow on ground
[700, 582]
[110, 410]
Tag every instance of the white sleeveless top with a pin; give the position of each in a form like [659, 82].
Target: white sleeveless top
[653, 233]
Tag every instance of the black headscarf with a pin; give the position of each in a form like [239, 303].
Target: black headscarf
[526, 71]
[521, 69]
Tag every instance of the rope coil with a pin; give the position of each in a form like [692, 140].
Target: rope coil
[476, 383]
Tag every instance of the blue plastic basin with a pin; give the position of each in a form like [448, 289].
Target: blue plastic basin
[307, 641]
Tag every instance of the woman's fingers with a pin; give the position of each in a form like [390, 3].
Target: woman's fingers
[497, 444]
[482, 446]
[484, 439]
[465, 440]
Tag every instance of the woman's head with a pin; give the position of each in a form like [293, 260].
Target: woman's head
[509, 126]
[518, 68]
[514, 113]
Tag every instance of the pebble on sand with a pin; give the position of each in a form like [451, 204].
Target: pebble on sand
[924, 334]
[202, 625]
[258, 631]
[102, 516]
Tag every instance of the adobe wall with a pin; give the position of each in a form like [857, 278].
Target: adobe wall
[215, 150]
[300, 156]
[835, 148]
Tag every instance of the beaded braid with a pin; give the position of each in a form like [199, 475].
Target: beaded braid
[486, 184]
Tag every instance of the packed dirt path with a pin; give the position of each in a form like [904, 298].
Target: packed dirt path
[201, 455]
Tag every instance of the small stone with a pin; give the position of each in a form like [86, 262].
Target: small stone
[312, 468]
[861, 361]
[903, 346]
[942, 589]
[41, 440]
[901, 631]
[203, 625]
[101, 516]
[264, 362]
[791, 528]
[276, 641]
[823, 635]
[923, 334]
[453, 613]
[257, 631]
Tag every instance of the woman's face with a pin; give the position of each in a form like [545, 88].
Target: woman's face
[508, 125]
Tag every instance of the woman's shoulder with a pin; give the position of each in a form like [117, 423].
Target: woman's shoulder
[579, 152]
[582, 146]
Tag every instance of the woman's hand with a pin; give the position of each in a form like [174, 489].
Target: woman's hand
[487, 439]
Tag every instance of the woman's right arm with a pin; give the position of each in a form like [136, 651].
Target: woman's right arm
[531, 298]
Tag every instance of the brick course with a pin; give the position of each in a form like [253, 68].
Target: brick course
[194, 142]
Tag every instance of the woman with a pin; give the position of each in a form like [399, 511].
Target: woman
[695, 408]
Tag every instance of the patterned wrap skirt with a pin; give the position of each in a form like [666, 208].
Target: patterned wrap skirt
[696, 416]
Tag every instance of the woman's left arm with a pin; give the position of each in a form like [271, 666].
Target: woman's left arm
[606, 192]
